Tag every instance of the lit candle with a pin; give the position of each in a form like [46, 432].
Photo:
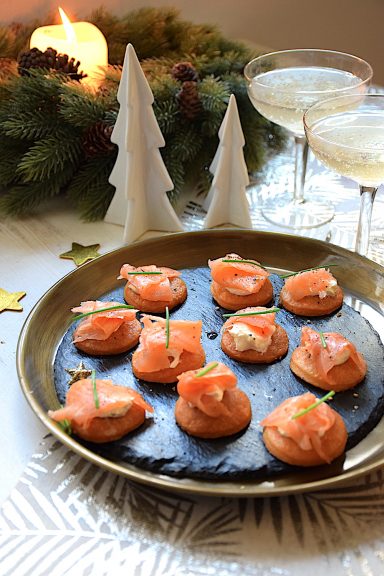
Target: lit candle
[81, 40]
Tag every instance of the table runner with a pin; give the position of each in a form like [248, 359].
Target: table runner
[67, 516]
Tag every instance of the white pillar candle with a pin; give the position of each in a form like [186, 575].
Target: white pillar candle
[80, 40]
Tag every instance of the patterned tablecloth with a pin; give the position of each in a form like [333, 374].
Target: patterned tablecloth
[66, 516]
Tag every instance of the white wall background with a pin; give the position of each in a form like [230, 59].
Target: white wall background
[355, 26]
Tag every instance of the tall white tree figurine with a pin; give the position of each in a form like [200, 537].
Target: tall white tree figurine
[139, 175]
[226, 202]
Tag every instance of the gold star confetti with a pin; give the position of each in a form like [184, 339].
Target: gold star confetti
[80, 254]
[9, 300]
[78, 373]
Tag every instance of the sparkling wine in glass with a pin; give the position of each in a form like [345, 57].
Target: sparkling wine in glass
[347, 134]
[282, 86]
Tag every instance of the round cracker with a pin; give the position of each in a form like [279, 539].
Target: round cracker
[122, 340]
[285, 449]
[179, 295]
[231, 301]
[339, 378]
[311, 305]
[188, 361]
[277, 349]
[108, 429]
[196, 423]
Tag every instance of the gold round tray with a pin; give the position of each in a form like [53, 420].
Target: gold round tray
[361, 279]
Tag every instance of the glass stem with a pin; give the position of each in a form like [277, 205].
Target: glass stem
[367, 196]
[301, 157]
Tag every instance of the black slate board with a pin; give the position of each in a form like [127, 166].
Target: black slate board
[160, 446]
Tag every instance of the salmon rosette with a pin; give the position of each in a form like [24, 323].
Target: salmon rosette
[237, 283]
[113, 330]
[311, 293]
[153, 288]
[313, 438]
[328, 360]
[249, 336]
[167, 348]
[101, 411]
[210, 404]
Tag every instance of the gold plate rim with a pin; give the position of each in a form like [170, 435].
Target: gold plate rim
[286, 484]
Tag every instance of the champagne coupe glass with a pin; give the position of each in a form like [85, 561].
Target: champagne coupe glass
[282, 86]
[347, 134]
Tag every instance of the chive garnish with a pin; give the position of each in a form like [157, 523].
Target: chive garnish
[166, 327]
[243, 261]
[66, 427]
[252, 313]
[314, 405]
[133, 273]
[95, 394]
[323, 342]
[306, 270]
[80, 316]
[207, 369]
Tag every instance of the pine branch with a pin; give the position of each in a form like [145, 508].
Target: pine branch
[29, 124]
[48, 123]
[21, 199]
[176, 170]
[11, 152]
[48, 156]
[214, 95]
[6, 39]
[186, 142]
[80, 107]
[90, 189]
[167, 115]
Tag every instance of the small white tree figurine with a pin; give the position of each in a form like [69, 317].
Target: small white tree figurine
[226, 201]
[140, 177]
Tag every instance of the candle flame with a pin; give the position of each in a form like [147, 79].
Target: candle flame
[69, 29]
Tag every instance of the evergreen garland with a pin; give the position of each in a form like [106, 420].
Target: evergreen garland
[46, 118]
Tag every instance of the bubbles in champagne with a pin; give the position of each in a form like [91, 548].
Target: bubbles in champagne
[354, 149]
[283, 95]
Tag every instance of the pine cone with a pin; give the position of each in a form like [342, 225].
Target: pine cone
[184, 72]
[50, 60]
[97, 140]
[189, 101]
[69, 66]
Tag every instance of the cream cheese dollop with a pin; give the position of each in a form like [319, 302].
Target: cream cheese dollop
[342, 356]
[118, 412]
[246, 339]
[330, 290]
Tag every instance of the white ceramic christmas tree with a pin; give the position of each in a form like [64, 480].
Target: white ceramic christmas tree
[140, 177]
[226, 202]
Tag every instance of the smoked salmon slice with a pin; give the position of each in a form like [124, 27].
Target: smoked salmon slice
[114, 402]
[307, 430]
[102, 325]
[262, 326]
[337, 351]
[237, 277]
[152, 286]
[205, 392]
[152, 354]
[319, 282]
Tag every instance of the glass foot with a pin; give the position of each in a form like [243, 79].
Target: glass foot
[300, 215]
